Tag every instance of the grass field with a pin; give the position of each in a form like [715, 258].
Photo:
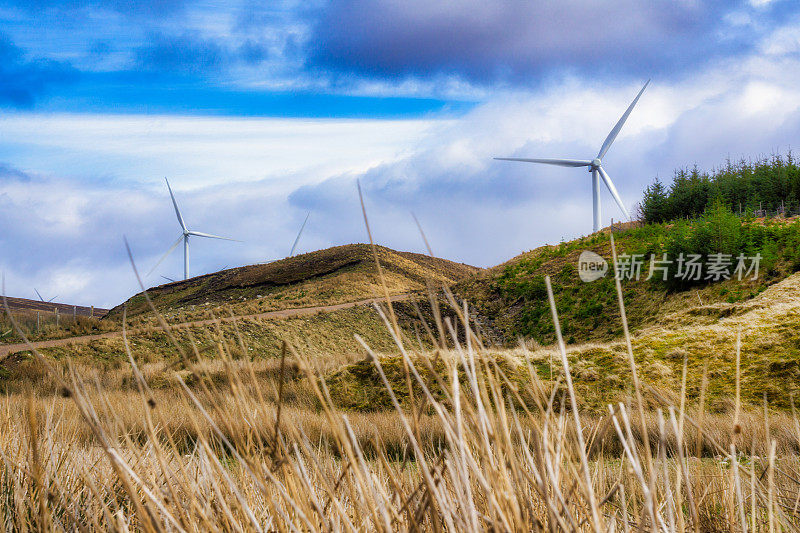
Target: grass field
[48, 327]
[416, 426]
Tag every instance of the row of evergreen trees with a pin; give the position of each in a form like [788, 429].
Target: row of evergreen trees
[769, 184]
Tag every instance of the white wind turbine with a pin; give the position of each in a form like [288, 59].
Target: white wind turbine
[186, 233]
[595, 165]
[42, 299]
[297, 239]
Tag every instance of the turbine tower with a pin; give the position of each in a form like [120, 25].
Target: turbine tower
[185, 234]
[595, 165]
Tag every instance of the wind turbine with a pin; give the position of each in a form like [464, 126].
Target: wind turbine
[42, 299]
[185, 234]
[595, 165]
[294, 246]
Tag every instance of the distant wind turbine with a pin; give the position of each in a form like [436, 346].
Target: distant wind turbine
[168, 279]
[42, 299]
[294, 246]
[186, 233]
[595, 165]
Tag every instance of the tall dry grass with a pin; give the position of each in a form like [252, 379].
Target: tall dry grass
[232, 444]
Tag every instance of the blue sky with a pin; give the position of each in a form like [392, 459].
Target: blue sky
[260, 112]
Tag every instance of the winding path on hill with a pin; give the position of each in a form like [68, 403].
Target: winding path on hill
[8, 349]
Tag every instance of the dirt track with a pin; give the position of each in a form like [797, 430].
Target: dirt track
[8, 349]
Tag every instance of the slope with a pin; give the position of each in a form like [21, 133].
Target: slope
[24, 305]
[512, 296]
[325, 277]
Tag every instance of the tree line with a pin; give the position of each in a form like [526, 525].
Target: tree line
[768, 185]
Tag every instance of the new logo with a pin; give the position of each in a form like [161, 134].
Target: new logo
[591, 266]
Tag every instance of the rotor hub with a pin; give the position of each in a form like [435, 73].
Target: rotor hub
[595, 163]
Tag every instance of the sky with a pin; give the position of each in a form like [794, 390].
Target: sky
[262, 112]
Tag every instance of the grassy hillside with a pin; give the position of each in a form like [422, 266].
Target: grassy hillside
[326, 338]
[24, 305]
[706, 337]
[512, 296]
[677, 330]
[339, 274]
[670, 320]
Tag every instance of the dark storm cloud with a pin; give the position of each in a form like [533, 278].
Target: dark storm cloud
[514, 41]
[23, 80]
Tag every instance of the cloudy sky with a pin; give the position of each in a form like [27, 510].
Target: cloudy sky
[262, 111]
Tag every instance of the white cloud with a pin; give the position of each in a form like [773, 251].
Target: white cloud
[484, 211]
[95, 178]
[201, 151]
[785, 40]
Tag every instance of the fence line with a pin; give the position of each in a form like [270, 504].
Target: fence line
[35, 322]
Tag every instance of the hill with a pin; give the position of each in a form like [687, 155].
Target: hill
[330, 276]
[696, 322]
[672, 322]
[512, 298]
[24, 305]
[47, 320]
[702, 336]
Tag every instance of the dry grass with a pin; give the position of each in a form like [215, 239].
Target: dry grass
[48, 327]
[233, 444]
[224, 443]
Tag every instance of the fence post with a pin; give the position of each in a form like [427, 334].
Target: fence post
[92, 313]
[38, 322]
[74, 312]
[57, 317]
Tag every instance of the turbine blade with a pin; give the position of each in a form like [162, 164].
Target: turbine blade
[614, 132]
[210, 236]
[171, 249]
[613, 191]
[53, 298]
[177, 211]
[168, 279]
[297, 239]
[37, 294]
[557, 162]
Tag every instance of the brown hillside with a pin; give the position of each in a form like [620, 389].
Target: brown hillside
[24, 305]
[334, 275]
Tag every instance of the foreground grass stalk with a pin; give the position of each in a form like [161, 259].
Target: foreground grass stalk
[634, 371]
[597, 520]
